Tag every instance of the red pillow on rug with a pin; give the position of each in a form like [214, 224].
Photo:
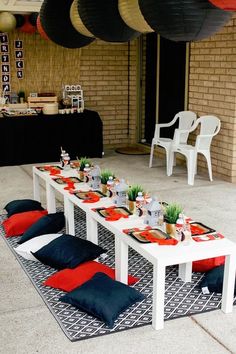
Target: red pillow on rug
[18, 223]
[69, 279]
[204, 265]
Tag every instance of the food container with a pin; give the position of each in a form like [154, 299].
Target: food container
[50, 108]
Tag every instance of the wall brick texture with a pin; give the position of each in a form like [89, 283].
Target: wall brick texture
[212, 90]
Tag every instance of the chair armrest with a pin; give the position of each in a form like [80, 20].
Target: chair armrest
[180, 136]
[163, 125]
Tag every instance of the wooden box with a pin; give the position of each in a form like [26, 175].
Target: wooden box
[39, 102]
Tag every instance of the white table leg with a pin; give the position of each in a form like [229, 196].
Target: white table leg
[228, 284]
[121, 260]
[51, 199]
[69, 216]
[92, 229]
[185, 272]
[159, 272]
[36, 187]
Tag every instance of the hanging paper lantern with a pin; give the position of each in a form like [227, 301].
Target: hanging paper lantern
[7, 22]
[27, 27]
[55, 20]
[40, 29]
[132, 15]
[102, 18]
[33, 18]
[227, 5]
[183, 20]
[76, 20]
[20, 20]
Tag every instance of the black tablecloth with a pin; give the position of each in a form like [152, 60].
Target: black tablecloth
[39, 138]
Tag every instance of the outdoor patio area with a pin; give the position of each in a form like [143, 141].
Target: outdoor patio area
[26, 324]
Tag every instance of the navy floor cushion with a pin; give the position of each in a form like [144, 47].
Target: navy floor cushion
[22, 205]
[213, 280]
[103, 297]
[68, 251]
[48, 224]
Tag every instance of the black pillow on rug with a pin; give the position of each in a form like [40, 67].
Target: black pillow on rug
[48, 224]
[103, 298]
[213, 280]
[22, 205]
[68, 251]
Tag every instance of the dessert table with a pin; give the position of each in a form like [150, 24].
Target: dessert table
[183, 254]
[39, 138]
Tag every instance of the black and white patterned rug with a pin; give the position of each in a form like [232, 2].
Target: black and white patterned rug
[181, 299]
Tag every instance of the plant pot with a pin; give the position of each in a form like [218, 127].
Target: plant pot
[104, 188]
[132, 206]
[81, 175]
[171, 229]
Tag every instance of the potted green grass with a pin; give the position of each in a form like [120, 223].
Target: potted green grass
[132, 195]
[105, 174]
[83, 161]
[21, 95]
[171, 215]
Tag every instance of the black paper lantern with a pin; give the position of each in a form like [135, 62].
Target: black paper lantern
[102, 18]
[33, 18]
[55, 20]
[183, 20]
[20, 20]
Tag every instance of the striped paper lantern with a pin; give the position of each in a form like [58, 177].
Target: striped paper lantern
[132, 15]
[55, 20]
[102, 18]
[7, 22]
[227, 5]
[184, 20]
[76, 20]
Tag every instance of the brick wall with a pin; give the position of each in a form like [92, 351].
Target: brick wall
[102, 70]
[212, 90]
[104, 78]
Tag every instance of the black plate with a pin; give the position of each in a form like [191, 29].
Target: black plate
[203, 229]
[123, 210]
[72, 179]
[43, 169]
[157, 233]
[83, 195]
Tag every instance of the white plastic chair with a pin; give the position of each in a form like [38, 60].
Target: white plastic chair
[186, 120]
[209, 127]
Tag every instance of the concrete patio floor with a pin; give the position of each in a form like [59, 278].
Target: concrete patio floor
[27, 326]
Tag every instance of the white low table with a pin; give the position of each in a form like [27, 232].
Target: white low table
[160, 256]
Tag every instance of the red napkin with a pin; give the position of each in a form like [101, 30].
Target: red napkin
[70, 185]
[91, 198]
[113, 215]
[162, 242]
[54, 171]
[196, 230]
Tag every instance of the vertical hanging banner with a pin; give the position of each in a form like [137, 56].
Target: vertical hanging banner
[19, 58]
[5, 65]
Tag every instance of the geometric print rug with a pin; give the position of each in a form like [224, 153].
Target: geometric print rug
[181, 299]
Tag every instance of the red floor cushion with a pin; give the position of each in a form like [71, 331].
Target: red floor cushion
[69, 279]
[18, 223]
[205, 265]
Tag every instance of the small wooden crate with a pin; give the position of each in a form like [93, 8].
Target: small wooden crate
[39, 102]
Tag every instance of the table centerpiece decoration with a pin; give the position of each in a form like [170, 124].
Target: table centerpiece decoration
[171, 215]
